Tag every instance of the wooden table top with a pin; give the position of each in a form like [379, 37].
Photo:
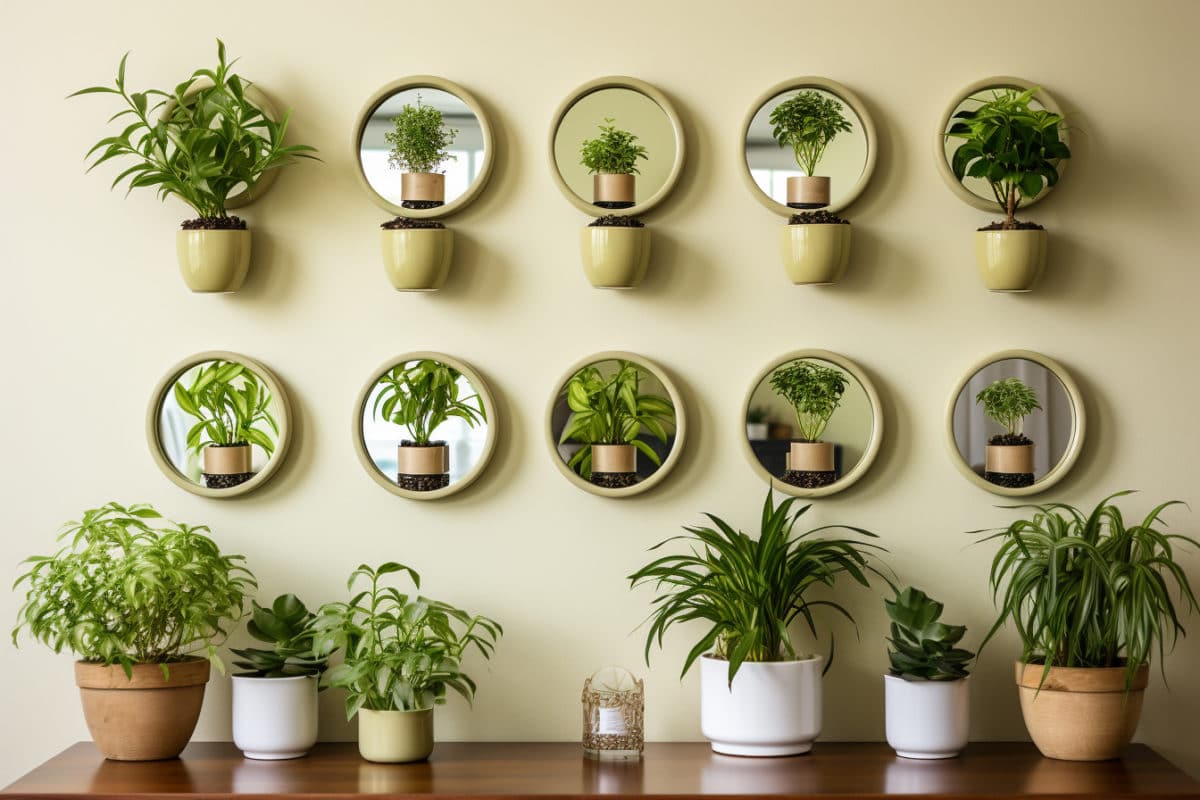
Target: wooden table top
[559, 770]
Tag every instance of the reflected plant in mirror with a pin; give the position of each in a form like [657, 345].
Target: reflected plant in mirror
[419, 396]
[807, 123]
[814, 391]
[609, 415]
[1009, 456]
[420, 140]
[231, 406]
[612, 159]
[757, 423]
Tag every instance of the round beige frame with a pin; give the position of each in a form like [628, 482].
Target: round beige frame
[1074, 447]
[846, 96]
[485, 128]
[489, 407]
[868, 456]
[939, 151]
[641, 87]
[281, 445]
[680, 425]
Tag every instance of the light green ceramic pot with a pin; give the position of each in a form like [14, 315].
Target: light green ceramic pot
[815, 253]
[1010, 261]
[395, 737]
[417, 260]
[213, 261]
[615, 258]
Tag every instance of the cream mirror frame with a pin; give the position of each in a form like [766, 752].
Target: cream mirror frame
[1057, 397]
[162, 405]
[568, 148]
[476, 184]
[867, 151]
[481, 453]
[555, 414]
[871, 438]
[944, 146]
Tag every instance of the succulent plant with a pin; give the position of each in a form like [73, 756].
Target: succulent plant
[287, 626]
[923, 648]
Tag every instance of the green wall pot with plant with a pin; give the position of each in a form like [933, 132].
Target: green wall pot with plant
[815, 253]
[615, 257]
[417, 259]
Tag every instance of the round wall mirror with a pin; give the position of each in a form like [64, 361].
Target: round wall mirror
[812, 423]
[976, 191]
[634, 146]
[219, 424]
[615, 425]
[1015, 423]
[425, 426]
[396, 147]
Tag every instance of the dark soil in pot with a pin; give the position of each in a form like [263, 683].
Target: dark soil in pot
[421, 205]
[614, 204]
[1009, 480]
[614, 480]
[226, 481]
[422, 483]
[1010, 440]
[807, 479]
[616, 221]
[817, 218]
[214, 224]
[1017, 225]
[409, 224]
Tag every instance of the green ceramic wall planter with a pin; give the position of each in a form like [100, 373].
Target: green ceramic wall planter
[417, 260]
[615, 258]
[213, 261]
[1010, 261]
[815, 254]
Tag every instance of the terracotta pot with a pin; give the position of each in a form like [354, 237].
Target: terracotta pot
[1009, 458]
[614, 190]
[811, 456]
[228, 460]
[423, 459]
[428, 187]
[815, 253]
[614, 458]
[213, 261]
[1010, 261]
[395, 737]
[146, 718]
[615, 258]
[418, 259]
[779, 431]
[1080, 714]
[808, 191]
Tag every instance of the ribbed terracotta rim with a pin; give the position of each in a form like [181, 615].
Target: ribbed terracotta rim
[1080, 679]
[189, 672]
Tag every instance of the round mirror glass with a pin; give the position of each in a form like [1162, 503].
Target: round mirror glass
[425, 426]
[219, 424]
[1016, 422]
[812, 423]
[615, 425]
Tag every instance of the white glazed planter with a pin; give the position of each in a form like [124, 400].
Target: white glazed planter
[274, 718]
[772, 709]
[927, 719]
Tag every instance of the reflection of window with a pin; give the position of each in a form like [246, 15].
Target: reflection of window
[385, 180]
[465, 443]
[774, 181]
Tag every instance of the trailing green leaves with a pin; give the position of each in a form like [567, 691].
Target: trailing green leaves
[287, 627]
[231, 405]
[419, 138]
[921, 647]
[807, 123]
[614, 151]
[814, 392]
[421, 395]
[1008, 402]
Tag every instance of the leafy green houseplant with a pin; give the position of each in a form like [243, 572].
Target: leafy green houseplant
[610, 412]
[814, 392]
[1009, 455]
[1092, 597]
[757, 422]
[143, 604]
[612, 157]
[286, 625]
[748, 592]
[420, 141]
[402, 652]
[807, 122]
[922, 647]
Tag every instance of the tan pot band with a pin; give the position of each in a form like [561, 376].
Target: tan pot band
[808, 189]
[1016, 459]
[811, 457]
[430, 460]
[423, 186]
[145, 676]
[227, 460]
[610, 188]
[614, 458]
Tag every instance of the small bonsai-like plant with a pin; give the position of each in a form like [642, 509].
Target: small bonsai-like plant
[287, 627]
[420, 139]
[124, 590]
[421, 395]
[402, 651]
[814, 392]
[614, 151]
[1007, 402]
[1011, 146]
[923, 649]
[750, 591]
[807, 123]
[613, 410]
[232, 406]
[214, 140]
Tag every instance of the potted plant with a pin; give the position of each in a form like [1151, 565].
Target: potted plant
[202, 142]
[926, 696]
[1091, 598]
[760, 693]
[1008, 457]
[757, 425]
[419, 396]
[402, 652]
[1015, 148]
[815, 245]
[275, 698]
[814, 392]
[615, 247]
[231, 406]
[143, 605]
[609, 414]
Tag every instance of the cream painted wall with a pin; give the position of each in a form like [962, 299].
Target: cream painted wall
[94, 312]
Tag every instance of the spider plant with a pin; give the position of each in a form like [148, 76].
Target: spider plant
[421, 395]
[232, 406]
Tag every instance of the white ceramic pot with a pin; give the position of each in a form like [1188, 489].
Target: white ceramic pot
[927, 719]
[756, 430]
[772, 709]
[274, 718]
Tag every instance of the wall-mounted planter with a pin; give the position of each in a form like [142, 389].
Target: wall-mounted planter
[417, 259]
[213, 260]
[615, 257]
[815, 254]
[1010, 261]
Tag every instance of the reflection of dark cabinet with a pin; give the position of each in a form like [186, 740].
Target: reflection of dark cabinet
[772, 454]
[646, 467]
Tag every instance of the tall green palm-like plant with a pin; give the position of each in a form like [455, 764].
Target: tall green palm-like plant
[750, 591]
[1087, 590]
[421, 395]
[232, 406]
[807, 123]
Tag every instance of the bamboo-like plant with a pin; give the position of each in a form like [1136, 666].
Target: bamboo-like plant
[421, 395]
[1007, 402]
[214, 140]
[420, 139]
[287, 626]
[807, 123]
[1088, 590]
[814, 392]
[232, 406]
[614, 151]
[922, 648]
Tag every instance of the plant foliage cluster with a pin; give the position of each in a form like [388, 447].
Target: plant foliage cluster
[807, 123]
[922, 648]
[420, 139]
[1007, 402]
[614, 151]
[287, 626]
[231, 405]
[421, 395]
[814, 392]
